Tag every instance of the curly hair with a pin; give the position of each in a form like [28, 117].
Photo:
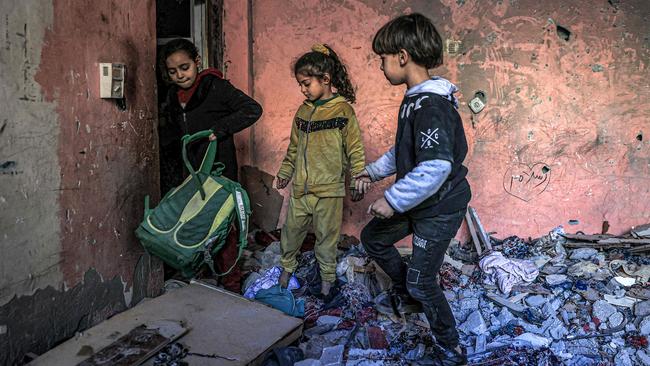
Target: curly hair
[318, 63]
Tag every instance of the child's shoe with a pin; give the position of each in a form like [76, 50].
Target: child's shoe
[283, 281]
[451, 356]
[395, 303]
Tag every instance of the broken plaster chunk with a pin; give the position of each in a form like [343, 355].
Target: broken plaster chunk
[474, 324]
[505, 316]
[536, 301]
[536, 341]
[557, 330]
[602, 310]
[644, 327]
[583, 254]
[624, 301]
[622, 358]
[643, 357]
[481, 341]
[615, 320]
[332, 356]
[583, 269]
[470, 303]
[556, 279]
[625, 281]
[642, 308]
[328, 319]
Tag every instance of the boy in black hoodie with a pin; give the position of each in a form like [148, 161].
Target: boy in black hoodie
[430, 195]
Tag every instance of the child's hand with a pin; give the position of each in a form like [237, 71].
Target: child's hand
[381, 209]
[355, 195]
[212, 137]
[281, 183]
[362, 182]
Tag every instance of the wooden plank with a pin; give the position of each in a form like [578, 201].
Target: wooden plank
[595, 245]
[221, 323]
[584, 237]
[482, 234]
[640, 249]
[624, 241]
[504, 302]
[472, 231]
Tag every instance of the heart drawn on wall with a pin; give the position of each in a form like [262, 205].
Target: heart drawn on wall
[527, 182]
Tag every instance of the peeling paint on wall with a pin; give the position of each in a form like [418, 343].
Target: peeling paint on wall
[74, 168]
[35, 323]
[107, 155]
[29, 167]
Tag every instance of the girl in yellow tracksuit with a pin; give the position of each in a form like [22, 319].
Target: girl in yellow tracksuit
[325, 142]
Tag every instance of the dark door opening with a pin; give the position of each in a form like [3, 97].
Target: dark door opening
[198, 21]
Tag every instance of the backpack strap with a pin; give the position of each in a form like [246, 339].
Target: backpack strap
[242, 208]
[208, 159]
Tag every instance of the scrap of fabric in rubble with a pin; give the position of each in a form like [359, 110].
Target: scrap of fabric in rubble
[507, 273]
[268, 280]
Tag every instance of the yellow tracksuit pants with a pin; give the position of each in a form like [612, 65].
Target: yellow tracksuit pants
[326, 214]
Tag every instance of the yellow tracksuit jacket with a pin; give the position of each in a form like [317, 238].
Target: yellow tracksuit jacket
[325, 141]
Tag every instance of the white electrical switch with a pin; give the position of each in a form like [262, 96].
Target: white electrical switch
[111, 80]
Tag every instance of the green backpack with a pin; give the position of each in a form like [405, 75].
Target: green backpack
[192, 221]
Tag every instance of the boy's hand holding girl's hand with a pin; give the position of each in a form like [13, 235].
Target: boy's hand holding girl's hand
[381, 209]
[362, 182]
[361, 185]
[281, 183]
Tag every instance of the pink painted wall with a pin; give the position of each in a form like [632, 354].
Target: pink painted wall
[579, 107]
[108, 156]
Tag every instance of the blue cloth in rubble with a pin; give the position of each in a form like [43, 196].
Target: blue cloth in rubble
[268, 280]
[282, 299]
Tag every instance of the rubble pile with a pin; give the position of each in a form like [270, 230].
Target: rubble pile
[557, 300]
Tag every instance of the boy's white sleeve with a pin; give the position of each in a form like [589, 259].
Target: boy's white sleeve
[382, 167]
[419, 184]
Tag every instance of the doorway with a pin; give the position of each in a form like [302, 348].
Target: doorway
[198, 21]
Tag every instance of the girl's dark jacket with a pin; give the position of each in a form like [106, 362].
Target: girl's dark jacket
[215, 104]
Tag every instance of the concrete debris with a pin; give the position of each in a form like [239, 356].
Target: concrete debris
[555, 279]
[536, 301]
[533, 340]
[624, 301]
[474, 324]
[643, 357]
[561, 299]
[332, 356]
[625, 281]
[623, 359]
[642, 309]
[583, 254]
[644, 326]
[602, 310]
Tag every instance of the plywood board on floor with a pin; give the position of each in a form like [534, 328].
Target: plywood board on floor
[219, 322]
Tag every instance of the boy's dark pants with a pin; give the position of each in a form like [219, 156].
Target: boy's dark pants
[431, 237]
